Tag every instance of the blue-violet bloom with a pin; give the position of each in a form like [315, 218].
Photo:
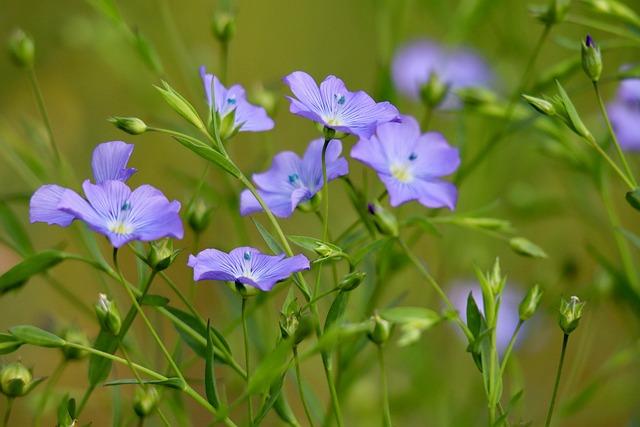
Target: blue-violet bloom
[110, 207]
[293, 180]
[223, 101]
[624, 113]
[333, 106]
[410, 164]
[247, 266]
[458, 68]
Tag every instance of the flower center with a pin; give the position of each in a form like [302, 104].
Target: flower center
[401, 172]
[294, 178]
[120, 227]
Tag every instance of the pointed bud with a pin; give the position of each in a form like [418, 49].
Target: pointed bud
[542, 105]
[380, 330]
[633, 198]
[15, 380]
[161, 254]
[434, 91]
[530, 303]
[198, 215]
[108, 314]
[227, 126]
[351, 281]
[223, 26]
[145, 401]
[384, 220]
[568, 113]
[131, 125]
[476, 96]
[570, 313]
[75, 336]
[180, 105]
[527, 248]
[591, 59]
[21, 49]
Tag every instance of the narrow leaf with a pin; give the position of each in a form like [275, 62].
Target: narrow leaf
[36, 336]
[19, 274]
[209, 372]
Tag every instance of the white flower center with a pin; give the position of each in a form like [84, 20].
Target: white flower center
[119, 227]
[402, 172]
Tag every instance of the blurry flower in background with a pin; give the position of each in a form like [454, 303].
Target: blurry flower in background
[508, 316]
[624, 113]
[410, 164]
[232, 103]
[246, 266]
[333, 106]
[415, 62]
[293, 181]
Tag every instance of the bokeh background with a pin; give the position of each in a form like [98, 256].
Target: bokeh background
[89, 71]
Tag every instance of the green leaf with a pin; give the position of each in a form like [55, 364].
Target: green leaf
[199, 346]
[268, 238]
[525, 247]
[272, 366]
[19, 274]
[206, 152]
[181, 106]
[107, 8]
[147, 52]
[424, 223]
[9, 343]
[337, 309]
[154, 300]
[209, 372]
[15, 230]
[368, 250]
[312, 244]
[336, 334]
[36, 336]
[99, 367]
[174, 382]
[66, 412]
[413, 321]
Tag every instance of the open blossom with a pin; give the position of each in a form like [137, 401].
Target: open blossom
[332, 105]
[223, 101]
[110, 207]
[246, 265]
[624, 113]
[293, 180]
[410, 164]
[458, 68]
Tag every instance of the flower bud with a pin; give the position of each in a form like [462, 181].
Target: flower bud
[180, 105]
[131, 125]
[570, 313]
[384, 220]
[198, 215]
[530, 303]
[21, 49]
[108, 314]
[633, 198]
[145, 401]
[434, 91]
[476, 96]
[75, 336]
[161, 254]
[351, 281]
[591, 59]
[227, 126]
[542, 105]
[328, 251]
[223, 26]
[380, 330]
[15, 380]
[265, 98]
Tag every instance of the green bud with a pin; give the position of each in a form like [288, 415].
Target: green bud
[108, 314]
[633, 198]
[223, 26]
[542, 105]
[227, 127]
[265, 98]
[530, 303]
[15, 380]
[591, 59]
[567, 112]
[161, 254]
[526, 248]
[328, 251]
[245, 291]
[351, 281]
[145, 401]
[180, 105]
[198, 215]
[570, 313]
[131, 125]
[21, 49]
[476, 96]
[384, 220]
[380, 330]
[434, 91]
[312, 204]
[75, 336]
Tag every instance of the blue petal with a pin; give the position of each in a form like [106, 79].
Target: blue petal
[110, 160]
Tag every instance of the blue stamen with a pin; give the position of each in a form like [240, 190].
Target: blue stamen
[231, 101]
[413, 156]
[125, 206]
[247, 256]
[293, 178]
[340, 99]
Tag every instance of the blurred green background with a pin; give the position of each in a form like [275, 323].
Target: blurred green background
[89, 71]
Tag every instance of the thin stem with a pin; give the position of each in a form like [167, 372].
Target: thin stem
[603, 110]
[426, 118]
[423, 270]
[325, 191]
[43, 112]
[7, 411]
[245, 337]
[386, 420]
[565, 340]
[224, 62]
[307, 412]
[509, 349]
[591, 141]
[51, 382]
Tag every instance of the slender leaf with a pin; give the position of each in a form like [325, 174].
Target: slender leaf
[15, 230]
[209, 372]
[19, 274]
[174, 382]
[36, 336]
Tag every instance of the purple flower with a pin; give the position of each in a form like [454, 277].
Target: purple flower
[333, 106]
[459, 68]
[410, 164]
[247, 118]
[293, 180]
[508, 316]
[624, 113]
[247, 266]
[110, 207]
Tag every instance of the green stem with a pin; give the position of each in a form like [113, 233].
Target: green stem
[591, 141]
[7, 411]
[603, 110]
[51, 382]
[386, 420]
[509, 349]
[325, 191]
[307, 412]
[423, 270]
[43, 112]
[224, 62]
[565, 340]
[245, 337]
[426, 118]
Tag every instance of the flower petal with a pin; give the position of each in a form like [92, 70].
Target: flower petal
[207, 82]
[109, 161]
[152, 216]
[212, 264]
[268, 270]
[306, 90]
[434, 156]
[43, 206]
